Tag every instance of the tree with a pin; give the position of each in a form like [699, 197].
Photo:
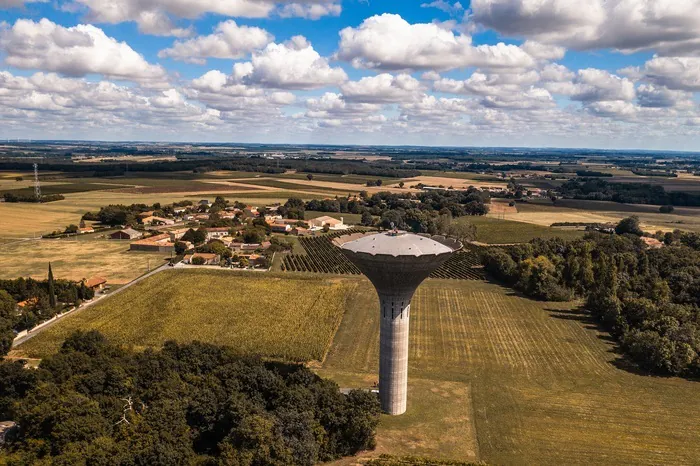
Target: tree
[367, 219]
[180, 247]
[51, 290]
[666, 209]
[71, 229]
[195, 236]
[629, 225]
[401, 184]
[19, 178]
[309, 176]
[253, 235]
[8, 311]
[197, 260]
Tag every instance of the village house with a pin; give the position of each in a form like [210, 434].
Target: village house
[96, 283]
[209, 258]
[126, 233]
[300, 231]
[157, 221]
[180, 210]
[177, 234]
[216, 232]
[333, 223]
[143, 215]
[84, 230]
[157, 243]
[249, 247]
[652, 243]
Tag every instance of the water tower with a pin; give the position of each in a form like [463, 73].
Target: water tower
[396, 263]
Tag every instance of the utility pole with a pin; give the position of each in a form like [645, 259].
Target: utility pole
[37, 187]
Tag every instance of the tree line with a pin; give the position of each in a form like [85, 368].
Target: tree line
[96, 403]
[628, 193]
[648, 299]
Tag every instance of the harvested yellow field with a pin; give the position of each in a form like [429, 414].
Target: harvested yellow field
[294, 319]
[75, 260]
[457, 183]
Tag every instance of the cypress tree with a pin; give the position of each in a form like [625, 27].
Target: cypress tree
[52, 291]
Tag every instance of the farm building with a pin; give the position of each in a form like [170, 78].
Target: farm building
[96, 283]
[281, 228]
[157, 243]
[82, 231]
[209, 259]
[126, 233]
[143, 215]
[299, 231]
[333, 223]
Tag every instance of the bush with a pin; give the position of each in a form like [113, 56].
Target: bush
[666, 209]
[198, 261]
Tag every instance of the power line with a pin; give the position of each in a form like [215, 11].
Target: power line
[37, 186]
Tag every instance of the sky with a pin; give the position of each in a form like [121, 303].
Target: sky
[616, 74]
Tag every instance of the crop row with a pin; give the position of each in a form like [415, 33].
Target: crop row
[323, 257]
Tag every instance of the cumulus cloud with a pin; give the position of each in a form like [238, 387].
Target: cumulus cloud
[651, 96]
[388, 42]
[157, 16]
[229, 40]
[75, 51]
[291, 65]
[591, 85]
[667, 26]
[679, 73]
[383, 88]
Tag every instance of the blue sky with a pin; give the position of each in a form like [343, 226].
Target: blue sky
[610, 74]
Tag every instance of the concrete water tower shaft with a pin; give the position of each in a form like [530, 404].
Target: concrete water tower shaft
[396, 263]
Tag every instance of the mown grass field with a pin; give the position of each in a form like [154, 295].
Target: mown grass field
[492, 230]
[508, 380]
[290, 318]
[75, 259]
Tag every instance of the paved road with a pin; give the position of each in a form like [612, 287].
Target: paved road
[91, 303]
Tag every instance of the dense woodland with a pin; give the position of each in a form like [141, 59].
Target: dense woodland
[648, 299]
[629, 193]
[420, 213]
[95, 403]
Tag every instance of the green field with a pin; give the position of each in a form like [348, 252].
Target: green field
[514, 381]
[348, 219]
[493, 376]
[491, 230]
[290, 318]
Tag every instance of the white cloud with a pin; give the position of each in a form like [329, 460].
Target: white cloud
[291, 65]
[545, 52]
[651, 96]
[450, 8]
[383, 88]
[388, 42]
[593, 85]
[679, 73]
[310, 10]
[75, 51]
[229, 40]
[667, 26]
[157, 16]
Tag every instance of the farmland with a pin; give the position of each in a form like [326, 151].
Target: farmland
[507, 380]
[299, 316]
[321, 256]
[75, 259]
